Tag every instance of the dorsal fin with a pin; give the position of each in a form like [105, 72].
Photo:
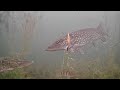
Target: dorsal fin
[101, 30]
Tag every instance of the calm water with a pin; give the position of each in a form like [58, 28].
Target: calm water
[44, 27]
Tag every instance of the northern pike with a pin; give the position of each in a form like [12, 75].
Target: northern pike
[74, 41]
[7, 65]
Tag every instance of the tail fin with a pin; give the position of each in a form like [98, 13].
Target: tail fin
[101, 30]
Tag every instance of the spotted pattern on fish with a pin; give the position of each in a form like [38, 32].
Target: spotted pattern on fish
[8, 64]
[79, 39]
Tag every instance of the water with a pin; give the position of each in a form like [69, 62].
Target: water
[31, 32]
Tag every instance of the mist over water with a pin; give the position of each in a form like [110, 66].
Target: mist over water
[52, 25]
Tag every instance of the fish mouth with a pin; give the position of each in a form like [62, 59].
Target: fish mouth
[48, 49]
[23, 64]
[26, 64]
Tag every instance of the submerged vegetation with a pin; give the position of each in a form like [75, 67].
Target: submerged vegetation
[12, 68]
[100, 69]
[94, 68]
[15, 74]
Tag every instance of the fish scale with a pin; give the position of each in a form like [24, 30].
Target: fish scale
[79, 39]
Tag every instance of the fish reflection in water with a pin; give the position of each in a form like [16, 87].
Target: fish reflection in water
[76, 41]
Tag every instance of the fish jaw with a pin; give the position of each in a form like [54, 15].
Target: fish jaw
[25, 64]
[15, 64]
[54, 49]
[57, 45]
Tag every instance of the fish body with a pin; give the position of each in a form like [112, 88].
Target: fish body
[78, 39]
[8, 65]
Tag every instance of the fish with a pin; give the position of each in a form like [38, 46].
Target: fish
[77, 40]
[8, 65]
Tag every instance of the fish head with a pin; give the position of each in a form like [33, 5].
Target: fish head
[60, 44]
[24, 63]
[8, 65]
[64, 43]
